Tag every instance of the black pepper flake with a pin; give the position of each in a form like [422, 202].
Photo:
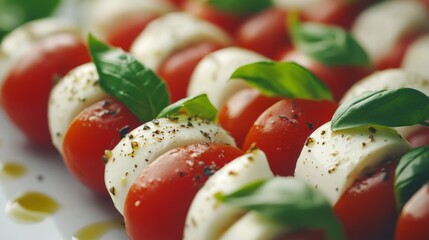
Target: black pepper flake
[323, 132]
[205, 134]
[363, 144]
[197, 177]
[155, 122]
[146, 127]
[181, 173]
[209, 170]
[309, 141]
[310, 125]
[123, 131]
[371, 137]
[40, 177]
[112, 190]
[189, 124]
[232, 173]
[372, 129]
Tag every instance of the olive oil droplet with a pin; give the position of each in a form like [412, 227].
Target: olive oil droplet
[31, 207]
[12, 170]
[97, 230]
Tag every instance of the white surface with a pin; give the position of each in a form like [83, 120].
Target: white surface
[79, 207]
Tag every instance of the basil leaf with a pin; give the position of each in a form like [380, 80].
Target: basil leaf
[14, 13]
[329, 45]
[240, 6]
[391, 108]
[287, 201]
[135, 85]
[286, 79]
[199, 106]
[411, 174]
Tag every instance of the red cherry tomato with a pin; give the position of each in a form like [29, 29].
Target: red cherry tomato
[419, 137]
[178, 68]
[336, 12]
[226, 21]
[128, 31]
[158, 201]
[27, 86]
[241, 111]
[338, 78]
[413, 220]
[97, 128]
[283, 128]
[367, 209]
[264, 33]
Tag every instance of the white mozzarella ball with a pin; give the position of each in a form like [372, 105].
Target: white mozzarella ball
[331, 161]
[76, 91]
[172, 32]
[390, 19]
[212, 74]
[389, 80]
[101, 24]
[416, 58]
[207, 218]
[254, 226]
[296, 4]
[149, 141]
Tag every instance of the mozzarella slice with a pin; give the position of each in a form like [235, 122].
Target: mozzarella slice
[331, 161]
[212, 74]
[77, 90]
[390, 19]
[390, 79]
[416, 58]
[172, 32]
[254, 226]
[207, 218]
[118, 11]
[146, 143]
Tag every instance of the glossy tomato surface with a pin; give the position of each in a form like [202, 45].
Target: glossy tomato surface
[158, 201]
[419, 137]
[178, 68]
[338, 78]
[124, 35]
[241, 110]
[367, 209]
[265, 33]
[96, 129]
[27, 85]
[282, 129]
[413, 220]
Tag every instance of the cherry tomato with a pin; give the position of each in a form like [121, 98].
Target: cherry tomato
[413, 220]
[125, 35]
[158, 201]
[226, 21]
[419, 137]
[367, 209]
[282, 129]
[27, 85]
[97, 128]
[304, 235]
[264, 33]
[241, 110]
[336, 12]
[178, 68]
[338, 78]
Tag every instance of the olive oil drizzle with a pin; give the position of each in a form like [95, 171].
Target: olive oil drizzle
[12, 170]
[98, 230]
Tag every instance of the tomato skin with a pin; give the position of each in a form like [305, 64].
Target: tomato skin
[338, 78]
[265, 33]
[158, 201]
[26, 88]
[241, 110]
[178, 68]
[367, 209]
[96, 129]
[413, 220]
[282, 129]
[419, 137]
[124, 35]
[226, 21]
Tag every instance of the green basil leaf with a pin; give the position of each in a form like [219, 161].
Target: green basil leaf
[241, 6]
[391, 108]
[135, 85]
[287, 201]
[14, 13]
[411, 174]
[199, 106]
[329, 45]
[285, 79]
